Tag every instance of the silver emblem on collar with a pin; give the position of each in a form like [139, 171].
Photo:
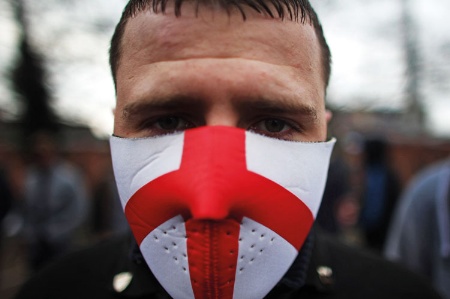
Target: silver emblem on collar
[325, 275]
[121, 281]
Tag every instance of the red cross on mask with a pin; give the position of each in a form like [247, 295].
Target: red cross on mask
[219, 212]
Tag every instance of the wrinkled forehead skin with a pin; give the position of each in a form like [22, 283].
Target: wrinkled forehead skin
[217, 34]
[150, 38]
[211, 51]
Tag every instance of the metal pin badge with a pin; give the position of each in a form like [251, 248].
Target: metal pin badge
[121, 281]
[325, 275]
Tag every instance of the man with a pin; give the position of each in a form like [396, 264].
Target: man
[220, 157]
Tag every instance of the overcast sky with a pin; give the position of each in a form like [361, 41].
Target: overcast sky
[365, 38]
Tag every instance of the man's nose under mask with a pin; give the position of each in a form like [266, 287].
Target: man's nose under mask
[219, 212]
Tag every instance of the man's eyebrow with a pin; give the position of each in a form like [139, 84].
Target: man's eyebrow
[279, 106]
[160, 104]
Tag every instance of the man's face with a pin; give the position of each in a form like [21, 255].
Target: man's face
[262, 74]
[212, 191]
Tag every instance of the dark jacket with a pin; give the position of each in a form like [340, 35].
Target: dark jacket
[335, 271]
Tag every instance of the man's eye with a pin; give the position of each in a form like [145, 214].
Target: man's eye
[271, 125]
[277, 128]
[170, 123]
[167, 124]
[274, 125]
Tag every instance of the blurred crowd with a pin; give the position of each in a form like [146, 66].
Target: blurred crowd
[49, 207]
[365, 204]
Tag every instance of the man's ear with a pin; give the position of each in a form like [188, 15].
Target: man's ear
[328, 116]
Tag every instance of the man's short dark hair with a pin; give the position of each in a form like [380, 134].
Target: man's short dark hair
[291, 9]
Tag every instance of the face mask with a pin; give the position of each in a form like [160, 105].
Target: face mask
[219, 212]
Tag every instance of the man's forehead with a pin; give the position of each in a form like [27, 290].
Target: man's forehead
[213, 33]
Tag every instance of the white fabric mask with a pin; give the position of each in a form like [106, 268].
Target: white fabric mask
[219, 212]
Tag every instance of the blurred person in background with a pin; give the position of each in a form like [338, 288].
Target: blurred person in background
[6, 192]
[339, 211]
[5, 195]
[419, 235]
[6, 202]
[107, 218]
[381, 190]
[55, 202]
[336, 189]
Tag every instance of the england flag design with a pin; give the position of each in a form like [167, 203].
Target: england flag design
[219, 212]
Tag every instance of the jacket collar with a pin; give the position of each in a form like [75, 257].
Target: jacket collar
[320, 274]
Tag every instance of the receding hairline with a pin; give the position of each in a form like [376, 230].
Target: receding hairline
[295, 10]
